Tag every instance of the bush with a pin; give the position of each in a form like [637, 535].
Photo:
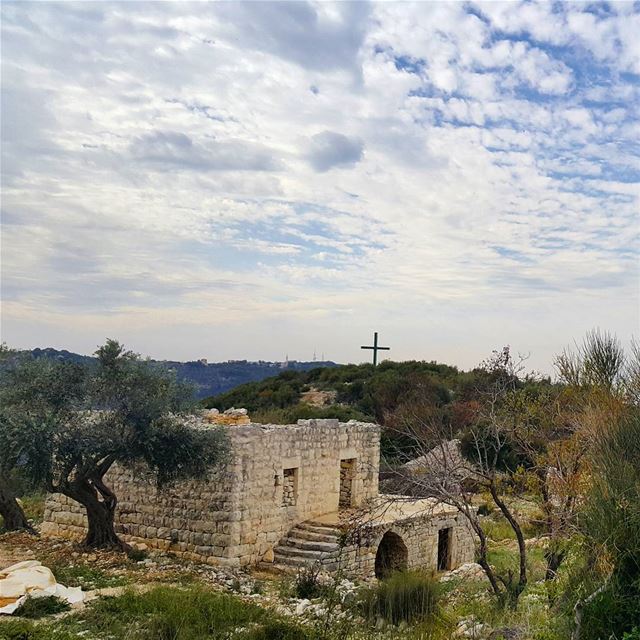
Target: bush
[34, 608]
[307, 584]
[409, 597]
[611, 525]
[136, 555]
[613, 612]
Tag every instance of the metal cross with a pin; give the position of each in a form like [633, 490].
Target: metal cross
[376, 348]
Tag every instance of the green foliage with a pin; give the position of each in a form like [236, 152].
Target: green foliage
[611, 526]
[612, 612]
[409, 597]
[303, 411]
[165, 613]
[27, 630]
[33, 506]
[67, 425]
[598, 361]
[34, 608]
[369, 391]
[497, 528]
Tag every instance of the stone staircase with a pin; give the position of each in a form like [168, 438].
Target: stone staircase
[308, 544]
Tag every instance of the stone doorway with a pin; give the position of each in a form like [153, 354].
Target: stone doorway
[391, 556]
[444, 549]
[347, 475]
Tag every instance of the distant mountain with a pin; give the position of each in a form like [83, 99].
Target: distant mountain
[209, 379]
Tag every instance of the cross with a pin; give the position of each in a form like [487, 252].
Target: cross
[376, 348]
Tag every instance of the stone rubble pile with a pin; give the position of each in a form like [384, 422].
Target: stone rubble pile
[467, 571]
[471, 628]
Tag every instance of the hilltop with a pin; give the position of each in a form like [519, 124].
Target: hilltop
[349, 391]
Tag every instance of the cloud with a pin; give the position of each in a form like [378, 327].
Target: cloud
[315, 36]
[168, 150]
[330, 149]
[298, 173]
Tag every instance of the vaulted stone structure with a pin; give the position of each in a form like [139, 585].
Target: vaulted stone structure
[291, 496]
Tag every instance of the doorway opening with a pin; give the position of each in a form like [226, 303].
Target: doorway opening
[347, 475]
[391, 556]
[444, 549]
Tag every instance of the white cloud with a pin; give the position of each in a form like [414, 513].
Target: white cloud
[320, 169]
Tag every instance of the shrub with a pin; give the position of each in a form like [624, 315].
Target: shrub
[33, 506]
[611, 524]
[307, 584]
[403, 597]
[136, 555]
[40, 607]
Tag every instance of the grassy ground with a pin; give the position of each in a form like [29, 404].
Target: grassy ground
[163, 613]
[33, 506]
[183, 602]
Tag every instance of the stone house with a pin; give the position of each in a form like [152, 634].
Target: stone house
[291, 496]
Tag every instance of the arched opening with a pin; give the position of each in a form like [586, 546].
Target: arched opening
[391, 555]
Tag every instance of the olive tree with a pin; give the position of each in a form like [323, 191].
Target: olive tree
[35, 396]
[129, 411]
[12, 445]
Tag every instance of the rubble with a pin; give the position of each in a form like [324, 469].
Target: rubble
[467, 571]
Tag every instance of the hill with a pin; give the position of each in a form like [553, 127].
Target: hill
[348, 391]
[208, 378]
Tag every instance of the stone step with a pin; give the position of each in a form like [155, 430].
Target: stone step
[317, 527]
[293, 562]
[312, 545]
[305, 534]
[313, 554]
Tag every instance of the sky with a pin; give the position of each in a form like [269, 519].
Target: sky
[252, 180]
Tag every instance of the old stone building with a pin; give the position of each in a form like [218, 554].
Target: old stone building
[291, 496]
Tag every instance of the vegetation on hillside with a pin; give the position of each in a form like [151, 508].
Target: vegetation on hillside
[387, 394]
[206, 378]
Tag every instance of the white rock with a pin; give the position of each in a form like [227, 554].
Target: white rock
[302, 606]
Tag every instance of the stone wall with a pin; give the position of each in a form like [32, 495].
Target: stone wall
[192, 519]
[236, 516]
[315, 449]
[419, 534]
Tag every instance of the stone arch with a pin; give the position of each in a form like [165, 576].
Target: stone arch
[392, 555]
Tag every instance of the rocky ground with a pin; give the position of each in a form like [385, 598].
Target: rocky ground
[468, 609]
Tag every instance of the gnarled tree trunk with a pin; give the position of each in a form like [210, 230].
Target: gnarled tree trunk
[101, 532]
[11, 512]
